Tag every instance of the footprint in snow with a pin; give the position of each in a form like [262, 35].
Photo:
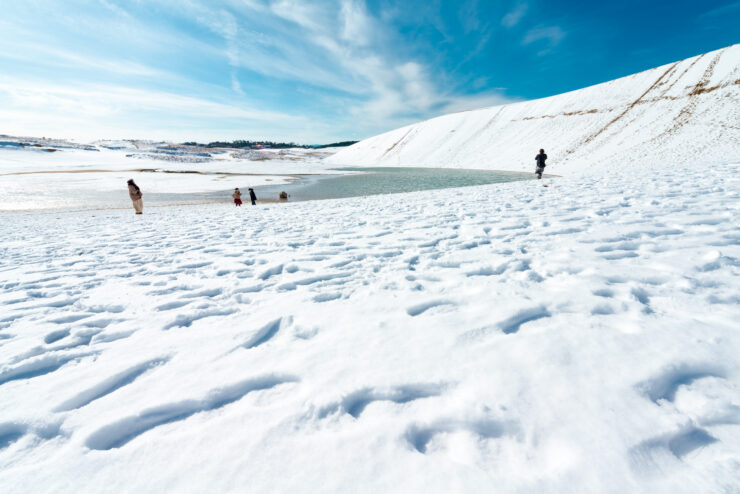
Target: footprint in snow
[706, 408]
[10, 432]
[38, 367]
[424, 438]
[267, 332]
[418, 309]
[186, 320]
[121, 432]
[355, 403]
[513, 323]
[110, 384]
[664, 385]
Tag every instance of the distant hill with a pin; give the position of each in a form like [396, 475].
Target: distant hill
[683, 112]
[241, 144]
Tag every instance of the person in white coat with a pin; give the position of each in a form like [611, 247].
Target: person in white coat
[134, 192]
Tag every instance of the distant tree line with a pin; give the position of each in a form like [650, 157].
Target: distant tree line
[242, 144]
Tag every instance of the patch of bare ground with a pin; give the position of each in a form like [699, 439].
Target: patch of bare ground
[700, 88]
[632, 105]
[570, 114]
[685, 71]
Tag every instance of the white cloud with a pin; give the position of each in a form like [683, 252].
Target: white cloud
[336, 50]
[235, 85]
[729, 9]
[349, 50]
[305, 14]
[96, 111]
[356, 24]
[475, 102]
[115, 9]
[48, 55]
[551, 36]
[512, 18]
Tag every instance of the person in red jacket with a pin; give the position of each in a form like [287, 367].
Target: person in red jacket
[237, 195]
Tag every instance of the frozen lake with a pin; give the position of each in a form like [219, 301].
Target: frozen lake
[102, 189]
[373, 181]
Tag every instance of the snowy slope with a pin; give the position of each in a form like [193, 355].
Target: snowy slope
[684, 112]
[512, 338]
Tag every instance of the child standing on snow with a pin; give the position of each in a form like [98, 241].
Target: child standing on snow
[540, 159]
[237, 195]
[252, 196]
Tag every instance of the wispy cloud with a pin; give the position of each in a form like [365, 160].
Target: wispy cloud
[729, 9]
[235, 85]
[361, 76]
[513, 17]
[99, 111]
[116, 9]
[337, 46]
[550, 36]
[50, 56]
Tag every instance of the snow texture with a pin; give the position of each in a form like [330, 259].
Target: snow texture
[580, 337]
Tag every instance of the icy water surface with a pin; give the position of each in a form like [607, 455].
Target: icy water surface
[374, 181]
[107, 190]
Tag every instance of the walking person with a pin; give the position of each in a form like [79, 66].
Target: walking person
[540, 159]
[252, 196]
[237, 195]
[134, 192]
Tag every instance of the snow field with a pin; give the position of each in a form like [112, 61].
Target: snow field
[580, 337]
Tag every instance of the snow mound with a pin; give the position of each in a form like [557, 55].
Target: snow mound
[683, 112]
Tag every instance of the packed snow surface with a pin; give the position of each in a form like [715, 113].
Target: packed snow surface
[680, 113]
[580, 337]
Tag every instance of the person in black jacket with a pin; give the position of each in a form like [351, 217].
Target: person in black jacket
[540, 159]
[252, 196]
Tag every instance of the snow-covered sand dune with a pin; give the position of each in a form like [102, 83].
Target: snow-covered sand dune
[683, 112]
[513, 338]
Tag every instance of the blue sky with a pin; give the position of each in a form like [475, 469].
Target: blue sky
[321, 70]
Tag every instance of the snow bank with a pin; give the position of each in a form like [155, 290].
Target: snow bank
[580, 337]
[684, 112]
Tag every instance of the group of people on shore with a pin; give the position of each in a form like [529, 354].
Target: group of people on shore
[136, 195]
[134, 192]
[237, 195]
